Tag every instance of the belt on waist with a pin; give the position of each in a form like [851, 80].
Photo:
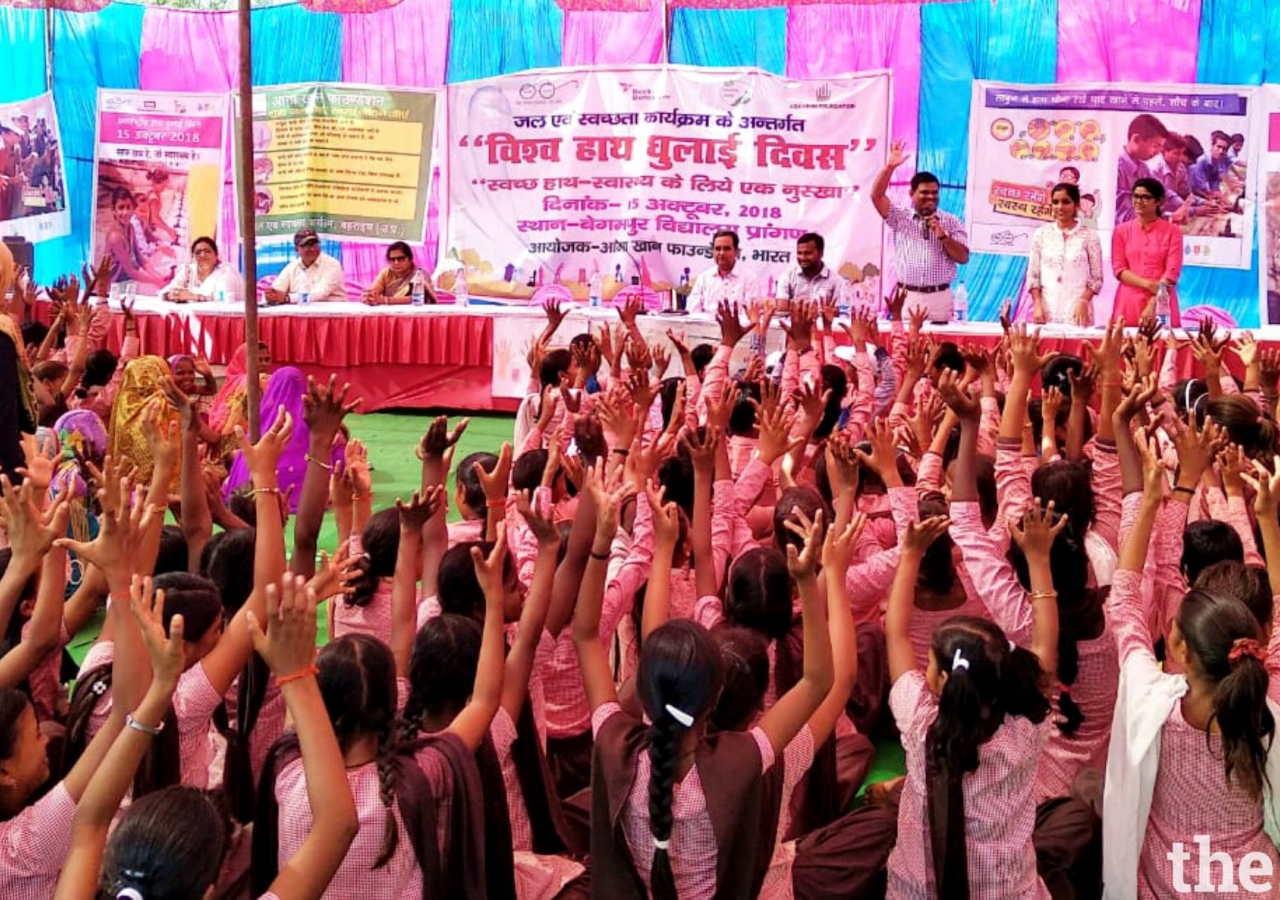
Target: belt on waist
[926, 289]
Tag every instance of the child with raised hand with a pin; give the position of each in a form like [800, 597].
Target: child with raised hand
[31, 552]
[1192, 755]
[675, 811]
[147, 856]
[114, 777]
[972, 729]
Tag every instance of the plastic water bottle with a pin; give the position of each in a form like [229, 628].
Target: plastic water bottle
[1162, 303]
[460, 297]
[595, 288]
[416, 290]
[305, 297]
[960, 304]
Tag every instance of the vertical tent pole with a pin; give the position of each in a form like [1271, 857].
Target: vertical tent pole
[248, 223]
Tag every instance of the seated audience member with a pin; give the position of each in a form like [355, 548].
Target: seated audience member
[394, 285]
[206, 277]
[314, 277]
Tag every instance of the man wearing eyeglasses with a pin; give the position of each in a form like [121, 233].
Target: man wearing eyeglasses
[314, 277]
[928, 243]
[1146, 253]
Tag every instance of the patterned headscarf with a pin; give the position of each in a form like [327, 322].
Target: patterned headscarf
[143, 381]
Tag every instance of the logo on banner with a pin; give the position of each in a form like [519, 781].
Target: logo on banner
[823, 93]
[1027, 201]
[544, 89]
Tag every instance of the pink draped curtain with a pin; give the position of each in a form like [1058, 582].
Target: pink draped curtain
[607, 37]
[403, 46]
[1128, 40]
[828, 39]
[197, 52]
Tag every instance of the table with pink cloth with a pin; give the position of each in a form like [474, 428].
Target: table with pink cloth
[431, 356]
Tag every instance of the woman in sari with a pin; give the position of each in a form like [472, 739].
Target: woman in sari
[394, 285]
[143, 382]
[17, 404]
[285, 391]
[230, 407]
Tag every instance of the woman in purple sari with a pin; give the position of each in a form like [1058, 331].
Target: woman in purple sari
[285, 390]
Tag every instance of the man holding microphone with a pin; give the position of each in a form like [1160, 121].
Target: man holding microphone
[928, 243]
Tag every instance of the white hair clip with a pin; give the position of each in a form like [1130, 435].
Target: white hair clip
[958, 661]
[680, 716]
[661, 845]
[1012, 646]
[129, 894]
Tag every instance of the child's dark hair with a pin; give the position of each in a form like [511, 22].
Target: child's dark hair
[675, 473]
[1059, 371]
[937, 566]
[227, 561]
[528, 469]
[1248, 584]
[1191, 394]
[99, 366]
[681, 669]
[1247, 425]
[667, 393]
[835, 381]
[744, 654]
[1070, 486]
[1081, 614]
[995, 681]
[16, 621]
[243, 506]
[742, 416]
[554, 364]
[170, 845]
[947, 356]
[1222, 638]
[442, 669]
[701, 356]
[804, 499]
[1206, 542]
[381, 543]
[758, 593]
[460, 590]
[357, 680]
[173, 555]
[469, 482]
[13, 703]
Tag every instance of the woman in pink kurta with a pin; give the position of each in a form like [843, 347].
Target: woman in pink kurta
[1146, 252]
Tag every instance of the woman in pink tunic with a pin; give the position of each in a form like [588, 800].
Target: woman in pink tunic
[1146, 252]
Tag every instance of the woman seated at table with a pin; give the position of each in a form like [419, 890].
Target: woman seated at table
[204, 278]
[394, 285]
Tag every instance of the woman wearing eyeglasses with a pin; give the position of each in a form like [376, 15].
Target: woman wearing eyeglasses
[204, 278]
[1146, 252]
[394, 286]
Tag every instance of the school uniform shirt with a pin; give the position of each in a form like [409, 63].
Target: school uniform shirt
[1097, 678]
[356, 879]
[693, 849]
[999, 803]
[374, 618]
[797, 757]
[1163, 778]
[34, 844]
[538, 876]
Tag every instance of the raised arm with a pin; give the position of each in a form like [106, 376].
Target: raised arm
[1035, 535]
[46, 617]
[404, 583]
[837, 551]
[472, 724]
[324, 410]
[897, 616]
[880, 187]
[533, 616]
[666, 532]
[597, 677]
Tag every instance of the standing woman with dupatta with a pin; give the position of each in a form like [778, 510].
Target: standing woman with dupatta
[17, 405]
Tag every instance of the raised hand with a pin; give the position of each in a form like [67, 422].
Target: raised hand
[356, 470]
[420, 508]
[325, 408]
[289, 643]
[804, 563]
[837, 549]
[702, 449]
[541, 524]
[263, 457]
[30, 535]
[168, 657]
[921, 535]
[731, 328]
[495, 483]
[439, 438]
[958, 400]
[38, 472]
[555, 315]
[897, 154]
[666, 516]
[1136, 399]
[1266, 487]
[335, 574]
[1024, 347]
[883, 458]
[1037, 529]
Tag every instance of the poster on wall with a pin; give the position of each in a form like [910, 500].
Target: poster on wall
[557, 175]
[1268, 139]
[1195, 139]
[33, 193]
[351, 161]
[157, 180]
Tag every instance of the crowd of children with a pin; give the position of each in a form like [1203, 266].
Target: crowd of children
[658, 652]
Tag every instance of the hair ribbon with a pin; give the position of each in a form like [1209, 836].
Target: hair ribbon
[1246, 647]
[959, 662]
[680, 716]
[660, 845]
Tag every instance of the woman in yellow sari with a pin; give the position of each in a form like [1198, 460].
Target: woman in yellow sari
[142, 382]
[17, 404]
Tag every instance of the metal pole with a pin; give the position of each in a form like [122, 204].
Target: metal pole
[248, 220]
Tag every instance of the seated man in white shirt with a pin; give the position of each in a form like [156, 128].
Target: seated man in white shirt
[725, 281]
[314, 277]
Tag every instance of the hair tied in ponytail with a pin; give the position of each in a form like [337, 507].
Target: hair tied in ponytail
[1246, 647]
[660, 845]
[958, 661]
[680, 716]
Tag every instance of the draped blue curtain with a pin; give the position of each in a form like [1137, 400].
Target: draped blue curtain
[22, 37]
[730, 37]
[1239, 44]
[960, 42]
[497, 37]
[292, 45]
[90, 50]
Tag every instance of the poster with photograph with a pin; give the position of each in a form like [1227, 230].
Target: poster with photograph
[33, 193]
[157, 180]
[1194, 139]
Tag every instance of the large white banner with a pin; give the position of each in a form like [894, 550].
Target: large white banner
[1026, 138]
[33, 190]
[558, 173]
[157, 180]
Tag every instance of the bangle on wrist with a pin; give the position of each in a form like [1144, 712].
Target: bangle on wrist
[602, 557]
[496, 504]
[1043, 595]
[1183, 489]
[322, 464]
[153, 731]
[306, 672]
[266, 490]
[620, 451]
